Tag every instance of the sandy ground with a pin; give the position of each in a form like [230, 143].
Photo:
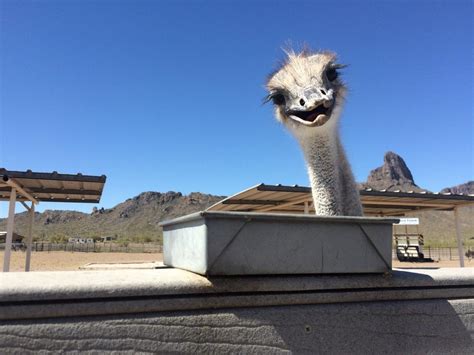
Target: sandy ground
[436, 264]
[62, 261]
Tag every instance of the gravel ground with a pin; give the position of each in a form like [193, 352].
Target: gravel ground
[60, 260]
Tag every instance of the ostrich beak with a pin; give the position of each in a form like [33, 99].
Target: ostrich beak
[314, 116]
[315, 106]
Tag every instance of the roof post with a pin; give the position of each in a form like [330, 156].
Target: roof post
[29, 240]
[459, 237]
[10, 225]
[306, 207]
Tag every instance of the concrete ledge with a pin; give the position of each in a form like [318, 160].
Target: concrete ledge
[79, 293]
[169, 311]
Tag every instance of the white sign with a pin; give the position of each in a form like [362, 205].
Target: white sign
[409, 221]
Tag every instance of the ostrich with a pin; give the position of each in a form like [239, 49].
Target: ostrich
[308, 96]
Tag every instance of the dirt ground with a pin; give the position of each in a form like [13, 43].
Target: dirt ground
[62, 261]
[436, 264]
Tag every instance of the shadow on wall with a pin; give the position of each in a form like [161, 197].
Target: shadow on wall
[377, 327]
[424, 326]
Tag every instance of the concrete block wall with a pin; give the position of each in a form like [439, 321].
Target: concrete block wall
[169, 310]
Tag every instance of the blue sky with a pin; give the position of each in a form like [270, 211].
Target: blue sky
[167, 95]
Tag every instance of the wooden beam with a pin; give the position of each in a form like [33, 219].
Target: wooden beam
[415, 195]
[402, 204]
[459, 237]
[52, 176]
[285, 204]
[250, 202]
[45, 190]
[42, 199]
[14, 185]
[282, 188]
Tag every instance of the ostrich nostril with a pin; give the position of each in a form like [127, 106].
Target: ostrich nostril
[322, 91]
[302, 102]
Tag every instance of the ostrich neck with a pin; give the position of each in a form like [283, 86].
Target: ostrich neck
[323, 155]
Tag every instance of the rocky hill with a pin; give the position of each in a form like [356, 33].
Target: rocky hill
[137, 218]
[392, 175]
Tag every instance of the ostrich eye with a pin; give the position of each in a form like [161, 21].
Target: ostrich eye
[332, 74]
[278, 99]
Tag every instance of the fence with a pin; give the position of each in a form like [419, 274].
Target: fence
[437, 253]
[99, 247]
[429, 252]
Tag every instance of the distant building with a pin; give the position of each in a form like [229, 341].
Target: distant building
[17, 238]
[107, 239]
[79, 240]
[17, 241]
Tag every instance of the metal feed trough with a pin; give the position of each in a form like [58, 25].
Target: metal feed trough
[244, 243]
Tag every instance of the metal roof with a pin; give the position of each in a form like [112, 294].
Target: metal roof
[292, 199]
[52, 187]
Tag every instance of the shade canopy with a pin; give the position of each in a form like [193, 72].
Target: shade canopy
[52, 187]
[24, 186]
[298, 199]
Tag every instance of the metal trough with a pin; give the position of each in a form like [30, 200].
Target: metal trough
[239, 243]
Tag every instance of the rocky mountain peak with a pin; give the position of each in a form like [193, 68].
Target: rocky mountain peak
[392, 175]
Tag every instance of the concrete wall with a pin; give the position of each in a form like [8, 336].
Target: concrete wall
[168, 310]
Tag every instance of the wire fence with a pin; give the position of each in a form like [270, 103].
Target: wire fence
[437, 253]
[434, 253]
[98, 247]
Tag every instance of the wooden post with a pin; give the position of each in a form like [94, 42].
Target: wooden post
[29, 240]
[306, 207]
[10, 225]
[459, 237]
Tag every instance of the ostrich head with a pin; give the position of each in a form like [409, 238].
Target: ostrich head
[307, 92]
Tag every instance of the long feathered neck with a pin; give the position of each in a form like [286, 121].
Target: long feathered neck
[333, 186]
[322, 155]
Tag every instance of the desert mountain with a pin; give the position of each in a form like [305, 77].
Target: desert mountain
[392, 175]
[135, 219]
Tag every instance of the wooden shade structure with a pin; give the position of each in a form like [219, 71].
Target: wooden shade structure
[298, 199]
[33, 187]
